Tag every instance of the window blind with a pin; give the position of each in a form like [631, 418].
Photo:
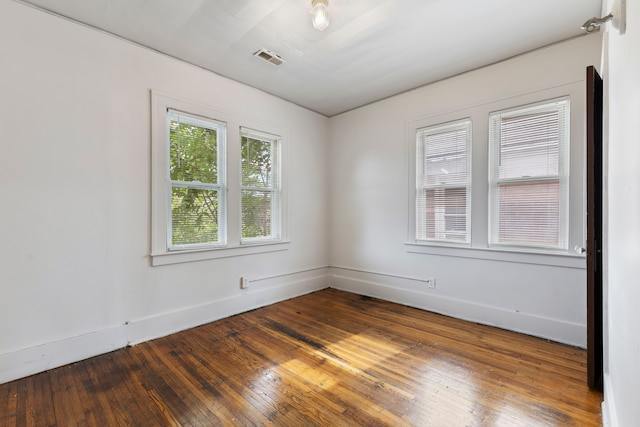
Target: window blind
[528, 176]
[261, 209]
[443, 182]
[196, 181]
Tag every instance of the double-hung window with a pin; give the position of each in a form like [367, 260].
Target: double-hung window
[196, 181]
[529, 176]
[443, 183]
[261, 209]
[218, 186]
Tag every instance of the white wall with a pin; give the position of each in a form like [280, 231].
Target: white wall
[621, 59]
[536, 294]
[75, 179]
[75, 274]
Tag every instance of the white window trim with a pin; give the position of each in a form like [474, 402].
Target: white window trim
[275, 189]
[562, 176]
[220, 186]
[479, 114]
[160, 200]
[466, 124]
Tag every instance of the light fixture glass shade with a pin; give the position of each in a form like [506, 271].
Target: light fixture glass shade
[320, 14]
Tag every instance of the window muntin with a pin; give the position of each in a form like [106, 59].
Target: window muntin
[261, 204]
[196, 181]
[529, 176]
[443, 181]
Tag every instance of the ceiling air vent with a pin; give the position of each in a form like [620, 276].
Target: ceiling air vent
[269, 56]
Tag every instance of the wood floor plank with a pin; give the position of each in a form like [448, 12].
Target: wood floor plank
[273, 353]
[95, 401]
[39, 401]
[21, 406]
[64, 395]
[86, 400]
[329, 358]
[287, 377]
[9, 396]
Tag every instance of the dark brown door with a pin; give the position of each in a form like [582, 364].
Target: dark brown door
[594, 229]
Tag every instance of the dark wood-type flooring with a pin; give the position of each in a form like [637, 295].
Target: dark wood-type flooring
[329, 358]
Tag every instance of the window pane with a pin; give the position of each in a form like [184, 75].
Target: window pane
[260, 198]
[529, 213]
[256, 163]
[445, 157]
[528, 173]
[194, 216]
[529, 145]
[256, 213]
[443, 182]
[444, 214]
[193, 152]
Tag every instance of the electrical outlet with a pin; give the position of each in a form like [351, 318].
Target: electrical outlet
[244, 283]
[430, 282]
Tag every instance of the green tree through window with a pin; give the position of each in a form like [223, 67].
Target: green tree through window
[260, 185]
[197, 182]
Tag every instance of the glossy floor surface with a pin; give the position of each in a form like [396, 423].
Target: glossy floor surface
[330, 359]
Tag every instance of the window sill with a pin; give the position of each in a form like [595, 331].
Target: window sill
[177, 257]
[555, 259]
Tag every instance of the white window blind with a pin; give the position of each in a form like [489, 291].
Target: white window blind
[529, 176]
[196, 181]
[443, 208]
[261, 186]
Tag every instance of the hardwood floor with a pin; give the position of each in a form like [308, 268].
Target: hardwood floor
[329, 358]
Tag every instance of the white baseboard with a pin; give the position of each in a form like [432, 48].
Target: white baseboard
[29, 361]
[142, 330]
[266, 291]
[609, 416]
[261, 292]
[380, 286]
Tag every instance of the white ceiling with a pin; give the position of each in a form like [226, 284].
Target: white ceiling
[372, 49]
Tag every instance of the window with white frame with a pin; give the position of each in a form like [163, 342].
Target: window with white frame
[215, 193]
[529, 176]
[196, 181]
[260, 186]
[443, 183]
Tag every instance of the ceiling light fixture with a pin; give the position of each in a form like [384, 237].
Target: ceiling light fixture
[320, 14]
